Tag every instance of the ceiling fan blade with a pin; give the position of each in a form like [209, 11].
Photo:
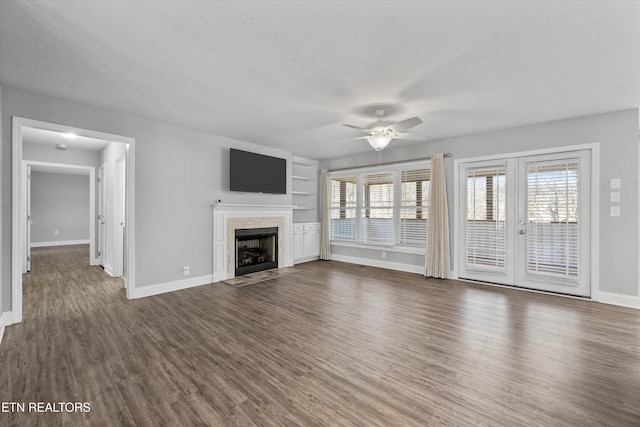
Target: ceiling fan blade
[350, 140]
[403, 125]
[410, 137]
[357, 128]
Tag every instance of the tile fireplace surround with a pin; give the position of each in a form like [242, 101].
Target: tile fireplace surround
[227, 218]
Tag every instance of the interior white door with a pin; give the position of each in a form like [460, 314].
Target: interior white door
[525, 222]
[101, 214]
[29, 220]
[120, 209]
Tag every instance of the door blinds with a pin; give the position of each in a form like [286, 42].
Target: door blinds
[553, 218]
[486, 246]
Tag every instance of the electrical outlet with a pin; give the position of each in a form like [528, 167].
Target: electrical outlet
[384, 254]
[56, 232]
[614, 211]
[185, 270]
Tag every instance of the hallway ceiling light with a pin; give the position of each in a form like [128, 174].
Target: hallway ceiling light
[61, 146]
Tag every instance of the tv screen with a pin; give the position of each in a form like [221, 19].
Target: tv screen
[257, 173]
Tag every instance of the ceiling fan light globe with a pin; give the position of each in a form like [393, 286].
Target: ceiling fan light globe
[379, 141]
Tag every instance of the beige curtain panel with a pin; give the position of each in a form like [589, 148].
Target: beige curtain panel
[325, 246]
[437, 251]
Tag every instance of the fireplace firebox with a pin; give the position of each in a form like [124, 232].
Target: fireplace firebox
[256, 249]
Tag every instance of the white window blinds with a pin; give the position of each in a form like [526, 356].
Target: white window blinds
[486, 212]
[342, 209]
[414, 207]
[553, 216]
[382, 207]
[376, 222]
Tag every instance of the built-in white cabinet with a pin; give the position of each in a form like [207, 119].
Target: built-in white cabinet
[304, 191]
[306, 242]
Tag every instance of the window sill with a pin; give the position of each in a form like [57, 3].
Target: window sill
[387, 248]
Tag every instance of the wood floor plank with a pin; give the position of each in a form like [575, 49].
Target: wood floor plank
[327, 343]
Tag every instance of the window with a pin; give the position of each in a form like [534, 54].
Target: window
[343, 208]
[414, 206]
[384, 207]
[376, 215]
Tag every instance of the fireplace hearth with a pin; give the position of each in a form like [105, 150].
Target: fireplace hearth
[256, 249]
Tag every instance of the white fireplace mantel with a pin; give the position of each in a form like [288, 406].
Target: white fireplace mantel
[228, 217]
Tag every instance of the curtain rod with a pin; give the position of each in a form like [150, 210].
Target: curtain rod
[386, 164]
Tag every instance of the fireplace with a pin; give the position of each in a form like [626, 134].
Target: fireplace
[256, 249]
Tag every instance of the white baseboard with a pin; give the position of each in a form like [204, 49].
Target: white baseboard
[418, 269]
[59, 243]
[301, 260]
[108, 269]
[618, 299]
[6, 319]
[161, 288]
[219, 276]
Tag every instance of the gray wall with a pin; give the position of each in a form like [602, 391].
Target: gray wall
[59, 202]
[43, 153]
[178, 174]
[617, 133]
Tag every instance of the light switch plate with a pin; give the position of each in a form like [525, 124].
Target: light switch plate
[614, 211]
[615, 183]
[614, 197]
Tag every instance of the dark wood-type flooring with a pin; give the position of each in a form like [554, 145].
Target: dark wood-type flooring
[329, 344]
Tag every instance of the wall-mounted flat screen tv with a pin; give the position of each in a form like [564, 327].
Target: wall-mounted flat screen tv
[257, 173]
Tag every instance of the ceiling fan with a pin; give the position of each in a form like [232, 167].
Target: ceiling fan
[381, 133]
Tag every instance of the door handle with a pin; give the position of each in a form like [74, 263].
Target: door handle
[521, 231]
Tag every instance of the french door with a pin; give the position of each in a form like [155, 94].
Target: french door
[525, 221]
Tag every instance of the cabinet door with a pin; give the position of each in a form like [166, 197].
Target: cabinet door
[311, 242]
[298, 246]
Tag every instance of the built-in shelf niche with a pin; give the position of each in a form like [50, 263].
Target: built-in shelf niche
[304, 177]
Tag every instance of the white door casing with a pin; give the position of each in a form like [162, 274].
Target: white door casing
[119, 209]
[101, 214]
[18, 205]
[29, 221]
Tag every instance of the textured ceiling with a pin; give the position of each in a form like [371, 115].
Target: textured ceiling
[287, 74]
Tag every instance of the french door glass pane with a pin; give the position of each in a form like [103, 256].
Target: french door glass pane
[486, 246]
[553, 218]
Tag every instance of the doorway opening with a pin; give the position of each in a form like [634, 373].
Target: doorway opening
[39, 144]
